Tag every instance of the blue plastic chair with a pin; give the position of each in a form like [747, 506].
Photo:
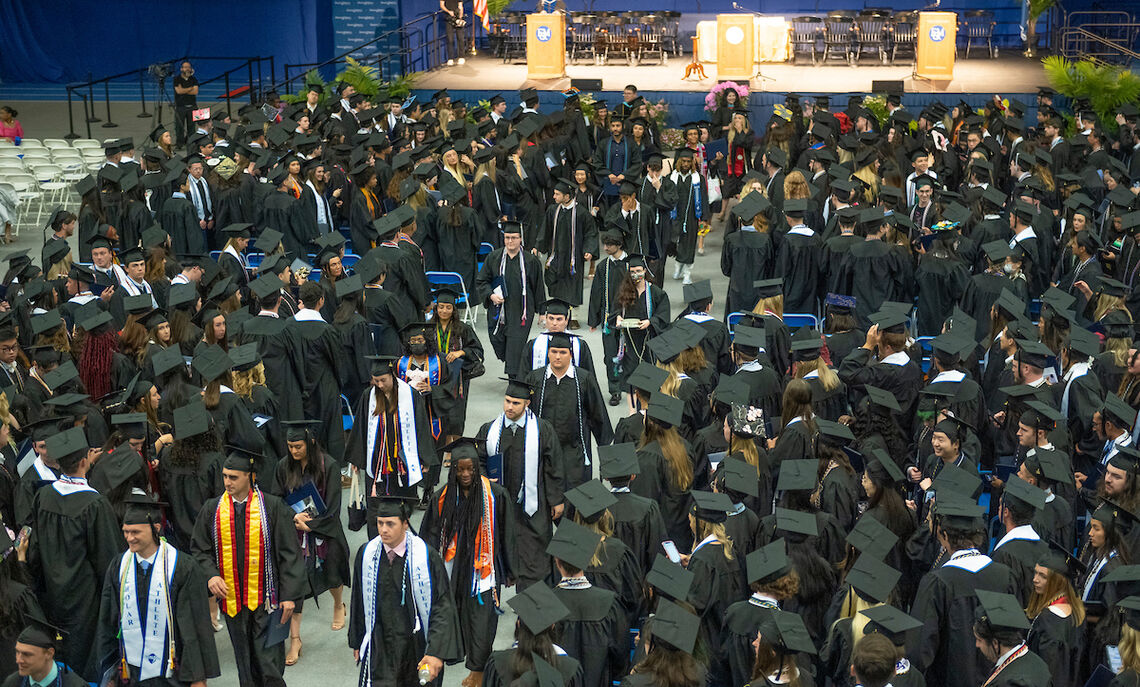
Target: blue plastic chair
[346, 417]
[732, 319]
[349, 260]
[215, 254]
[315, 274]
[254, 259]
[481, 254]
[796, 320]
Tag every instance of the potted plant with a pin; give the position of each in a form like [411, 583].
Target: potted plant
[1035, 9]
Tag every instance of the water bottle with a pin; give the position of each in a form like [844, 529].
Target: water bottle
[425, 673]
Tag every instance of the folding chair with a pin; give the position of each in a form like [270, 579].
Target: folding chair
[349, 260]
[481, 255]
[733, 318]
[796, 320]
[453, 279]
[346, 418]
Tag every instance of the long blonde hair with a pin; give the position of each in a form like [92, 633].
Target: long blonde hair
[1129, 647]
[673, 449]
[773, 303]
[716, 529]
[828, 379]
[1106, 304]
[1057, 586]
[853, 606]
[867, 176]
[745, 448]
[795, 185]
[245, 380]
[603, 526]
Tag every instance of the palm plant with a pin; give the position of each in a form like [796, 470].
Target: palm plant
[1036, 9]
[1105, 86]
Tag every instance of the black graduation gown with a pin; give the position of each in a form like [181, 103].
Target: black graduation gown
[798, 262]
[360, 219]
[247, 629]
[321, 350]
[584, 359]
[509, 324]
[356, 446]
[136, 219]
[355, 343]
[835, 654]
[654, 482]
[748, 256]
[179, 219]
[944, 651]
[688, 209]
[839, 496]
[74, 538]
[23, 606]
[1060, 643]
[458, 245]
[620, 572]
[830, 544]
[488, 206]
[901, 381]
[576, 409]
[981, 291]
[184, 488]
[396, 646]
[1027, 669]
[278, 212]
[528, 559]
[568, 234]
[228, 207]
[236, 426]
[232, 267]
[478, 613]
[741, 528]
[638, 523]
[717, 584]
[282, 354]
[595, 633]
[742, 621]
[940, 283]
[462, 337]
[195, 654]
[497, 671]
[1021, 556]
[635, 340]
[386, 312]
[794, 442]
[327, 569]
[872, 272]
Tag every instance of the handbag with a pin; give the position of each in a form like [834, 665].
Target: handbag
[714, 189]
[357, 508]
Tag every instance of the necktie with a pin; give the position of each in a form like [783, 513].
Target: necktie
[145, 565]
[391, 555]
[514, 429]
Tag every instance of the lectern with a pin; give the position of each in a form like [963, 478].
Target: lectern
[735, 46]
[937, 36]
[545, 45]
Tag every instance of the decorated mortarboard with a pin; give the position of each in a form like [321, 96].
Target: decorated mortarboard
[590, 499]
[796, 522]
[768, 563]
[574, 544]
[739, 476]
[670, 579]
[618, 461]
[798, 475]
[872, 538]
[710, 506]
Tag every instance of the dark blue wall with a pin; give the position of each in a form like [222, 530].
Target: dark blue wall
[64, 40]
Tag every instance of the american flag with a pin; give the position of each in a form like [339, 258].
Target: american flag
[481, 12]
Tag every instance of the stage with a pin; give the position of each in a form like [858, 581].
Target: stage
[978, 75]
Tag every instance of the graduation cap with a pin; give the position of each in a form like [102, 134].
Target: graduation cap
[45, 322]
[298, 430]
[61, 375]
[67, 447]
[872, 538]
[42, 634]
[665, 409]
[768, 563]
[956, 510]
[697, 291]
[618, 461]
[241, 459]
[1122, 414]
[739, 476]
[798, 475]
[166, 360]
[590, 499]
[537, 606]
[574, 544]
[731, 390]
[890, 622]
[674, 626]
[750, 206]
[890, 320]
[191, 420]
[710, 506]
[796, 522]
[265, 285]
[212, 362]
[883, 467]
[786, 632]
[768, 288]
[670, 579]
[1024, 492]
[518, 388]
[748, 337]
[1002, 611]
[1034, 353]
[1130, 609]
[882, 398]
[873, 579]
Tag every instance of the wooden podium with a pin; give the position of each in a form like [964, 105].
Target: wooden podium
[545, 45]
[937, 36]
[735, 47]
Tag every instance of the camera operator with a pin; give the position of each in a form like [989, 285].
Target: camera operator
[185, 102]
[455, 24]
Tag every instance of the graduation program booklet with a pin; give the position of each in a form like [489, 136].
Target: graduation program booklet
[276, 631]
[495, 467]
[305, 499]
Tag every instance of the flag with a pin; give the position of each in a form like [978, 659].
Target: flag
[481, 12]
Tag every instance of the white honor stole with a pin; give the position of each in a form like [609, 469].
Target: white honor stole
[150, 649]
[528, 494]
[406, 418]
[417, 577]
[542, 344]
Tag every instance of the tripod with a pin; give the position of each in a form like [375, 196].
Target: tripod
[162, 96]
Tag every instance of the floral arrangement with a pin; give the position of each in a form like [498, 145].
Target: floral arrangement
[658, 111]
[877, 104]
[713, 96]
[672, 138]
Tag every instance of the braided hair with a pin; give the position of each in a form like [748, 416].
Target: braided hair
[99, 347]
[460, 516]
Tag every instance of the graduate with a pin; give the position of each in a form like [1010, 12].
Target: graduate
[39, 658]
[278, 344]
[999, 630]
[468, 522]
[609, 273]
[1057, 616]
[320, 347]
[74, 539]
[534, 652]
[636, 225]
[672, 632]
[594, 633]
[556, 316]
[798, 260]
[306, 471]
[245, 542]
[423, 368]
[570, 241]
[1021, 547]
[699, 302]
[511, 286]
[637, 521]
[641, 312]
[569, 398]
[154, 620]
[525, 456]
[392, 443]
[402, 621]
[772, 581]
[688, 212]
[882, 362]
[945, 651]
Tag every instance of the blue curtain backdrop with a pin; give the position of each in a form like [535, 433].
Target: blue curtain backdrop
[64, 40]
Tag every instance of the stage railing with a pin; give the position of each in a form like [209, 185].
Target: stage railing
[248, 75]
[1082, 43]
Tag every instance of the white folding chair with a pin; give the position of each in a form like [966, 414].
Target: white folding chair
[12, 153]
[27, 192]
[56, 143]
[30, 143]
[83, 143]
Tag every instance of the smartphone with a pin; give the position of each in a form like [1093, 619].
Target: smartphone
[671, 551]
[25, 532]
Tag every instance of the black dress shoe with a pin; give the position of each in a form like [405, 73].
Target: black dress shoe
[615, 399]
[573, 324]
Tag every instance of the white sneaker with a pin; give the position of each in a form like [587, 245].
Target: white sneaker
[676, 271]
[687, 275]
[451, 63]
[462, 61]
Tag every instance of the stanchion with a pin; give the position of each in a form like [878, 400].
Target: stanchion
[142, 98]
[71, 135]
[107, 96]
[229, 107]
[91, 118]
[88, 114]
